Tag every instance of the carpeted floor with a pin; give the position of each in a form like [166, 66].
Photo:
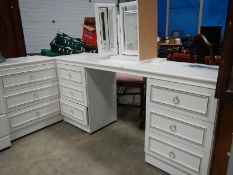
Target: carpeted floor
[62, 149]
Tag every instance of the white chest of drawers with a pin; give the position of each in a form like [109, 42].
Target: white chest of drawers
[29, 95]
[180, 127]
[88, 96]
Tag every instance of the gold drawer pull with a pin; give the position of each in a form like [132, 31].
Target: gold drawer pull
[173, 128]
[172, 154]
[176, 100]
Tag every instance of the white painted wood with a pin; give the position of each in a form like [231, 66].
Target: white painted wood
[195, 133]
[4, 132]
[129, 28]
[106, 28]
[39, 124]
[74, 111]
[23, 97]
[179, 72]
[71, 73]
[4, 126]
[188, 100]
[101, 95]
[30, 115]
[27, 74]
[173, 153]
[3, 107]
[77, 95]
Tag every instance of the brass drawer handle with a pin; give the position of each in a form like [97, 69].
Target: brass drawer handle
[176, 100]
[172, 154]
[173, 128]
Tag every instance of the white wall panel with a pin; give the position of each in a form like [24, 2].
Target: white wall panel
[37, 17]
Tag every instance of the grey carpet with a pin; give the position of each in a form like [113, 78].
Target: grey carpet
[62, 149]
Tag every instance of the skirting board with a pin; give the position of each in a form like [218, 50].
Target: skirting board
[5, 142]
[42, 124]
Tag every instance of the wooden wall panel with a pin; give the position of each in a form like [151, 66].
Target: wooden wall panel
[147, 14]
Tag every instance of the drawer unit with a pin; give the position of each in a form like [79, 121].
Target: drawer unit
[77, 95]
[4, 132]
[72, 73]
[31, 94]
[185, 159]
[193, 132]
[74, 111]
[184, 99]
[26, 116]
[2, 104]
[27, 74]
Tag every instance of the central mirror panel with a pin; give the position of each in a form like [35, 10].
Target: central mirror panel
[129, 28]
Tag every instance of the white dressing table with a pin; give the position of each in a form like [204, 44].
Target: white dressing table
[181, 110]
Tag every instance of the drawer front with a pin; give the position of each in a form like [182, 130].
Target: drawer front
[74, 111]
[186, 131]
[34, 76]
[33, 95]
[185, 99]
[174, 155]
[29, 115]
[76, 95]
[72, 73]
[4, 126]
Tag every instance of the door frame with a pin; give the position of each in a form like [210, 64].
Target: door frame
[18, 28]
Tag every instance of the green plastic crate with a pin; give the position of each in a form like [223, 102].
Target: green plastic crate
[47, 52]
[65, 45]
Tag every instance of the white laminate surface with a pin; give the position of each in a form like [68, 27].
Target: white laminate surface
[154, 68]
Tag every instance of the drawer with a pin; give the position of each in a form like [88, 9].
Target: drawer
[187, 130]
[31, 74]
[76, 95]
[4, 126]
[72, 73]
[74, 111]
[177, 155]
[32, 114]
[185, 99]
[32, 94]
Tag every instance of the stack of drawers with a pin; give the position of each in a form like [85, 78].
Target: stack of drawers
[73, 94]
[179, 127]
[29, 95]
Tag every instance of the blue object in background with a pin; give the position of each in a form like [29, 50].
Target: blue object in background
[214, 13]
[184, 15]
[162, 12]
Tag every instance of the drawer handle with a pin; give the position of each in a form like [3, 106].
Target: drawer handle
[176, 100]
[172, 154]
[31, 77]
[37, 114]
[35, 95]
[70, 76]
[71, 93]
[173, 128]
[71, 111]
